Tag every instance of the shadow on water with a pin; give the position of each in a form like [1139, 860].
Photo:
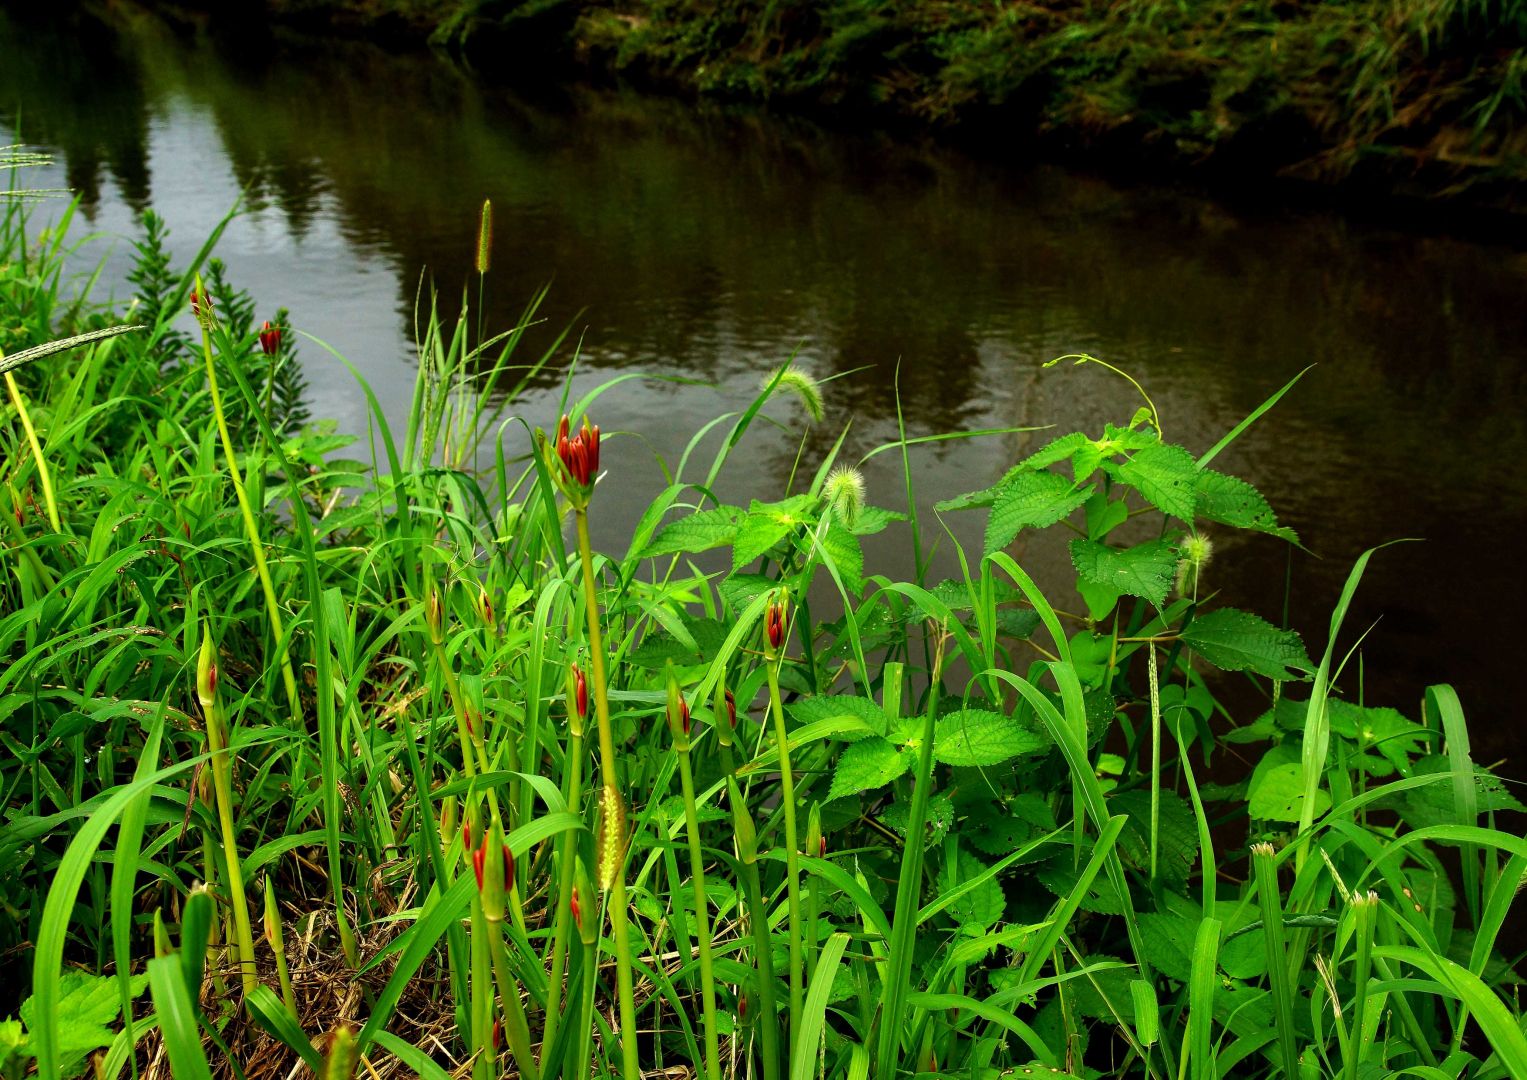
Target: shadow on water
[713, 243]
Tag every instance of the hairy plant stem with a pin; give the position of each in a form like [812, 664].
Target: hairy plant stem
[626, 993]
[792, 854]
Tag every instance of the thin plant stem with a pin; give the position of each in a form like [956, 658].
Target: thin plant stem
[619, 923]
[702, 915]
[792, 855]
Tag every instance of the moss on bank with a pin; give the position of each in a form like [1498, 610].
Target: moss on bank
[1418, 97]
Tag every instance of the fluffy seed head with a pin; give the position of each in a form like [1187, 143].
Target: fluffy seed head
[845, 493]
[485, 237]
[806, 389]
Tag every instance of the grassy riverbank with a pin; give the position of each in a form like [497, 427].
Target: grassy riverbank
[1420, 98]
[356, 754]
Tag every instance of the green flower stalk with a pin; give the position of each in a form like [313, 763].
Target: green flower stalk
[277, 942]
[573, 460]
[1265, 873]
[679, 724]
[1365, 908]
[222, 786]
[493, 866]
[776, 621]
[816, 846]
[758, 917]
[577, 714]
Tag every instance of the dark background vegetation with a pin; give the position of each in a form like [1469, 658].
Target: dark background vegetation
[1411, 98]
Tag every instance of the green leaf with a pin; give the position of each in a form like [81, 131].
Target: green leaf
[874, 519]
[1166, 476]
[88, 1006]
[1230, 500]
[982, 737]
[697, 532]
[1145, 570]
[1031, 500]
[1278, 794]
[871, 763]
[1056, 450]
[843, 547]
[1234, 640]
[740, 590]
[657, 649]
[828, 707]
[981, 906]
[767, 524]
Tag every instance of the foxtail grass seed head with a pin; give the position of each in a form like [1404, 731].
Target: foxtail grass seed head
[1196, 551]
[340, 1064]
[806, 390]
[270, 339]
[610, 838]
[485, 237]
[845, 493]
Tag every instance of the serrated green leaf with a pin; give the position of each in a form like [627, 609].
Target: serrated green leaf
[982, 906]
[740, 590]
[1030, 500]
[870, 763]
[1234, 640]
[1165, 475]
[874, 519]
[657, 649]
[847, 556]
[697, 532]
[765, 525]
[1055, 450]
[1231, 501]
[982, 737]
[824, 708]
[88, 1006]
[1145, 570]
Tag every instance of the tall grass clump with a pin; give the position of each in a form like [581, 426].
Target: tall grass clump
[728, 803]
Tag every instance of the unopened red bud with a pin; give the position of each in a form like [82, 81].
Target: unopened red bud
[684, 714]
[581, 692]
[576, 908]
[478, 858]
[270, 338]
[822, 848]
[508, 868]
[498, 1032]
[731, 709]
[466, 836]
[742, 1007]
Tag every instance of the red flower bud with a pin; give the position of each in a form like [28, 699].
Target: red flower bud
[775, 623]
[742, 1007]
[478, 858]
[581, 692]
[196, 301]
[575, 908]
[683, 714]
[822, 848]
[731, 709]
[508, 868]
[466, 836]
[578, 453]
[270, 338]
[498, 1031]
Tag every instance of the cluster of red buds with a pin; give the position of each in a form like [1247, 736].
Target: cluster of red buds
[480, 858]
[579, 453]
[270, 338]
[775, 620]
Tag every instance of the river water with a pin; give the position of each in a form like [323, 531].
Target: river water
[712, 244]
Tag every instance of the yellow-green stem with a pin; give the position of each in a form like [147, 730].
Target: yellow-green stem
[792, 854]
[626, 993]
[256, 545]
[569, 845]
[44, 477]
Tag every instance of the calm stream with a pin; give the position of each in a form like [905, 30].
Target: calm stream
[713, 244]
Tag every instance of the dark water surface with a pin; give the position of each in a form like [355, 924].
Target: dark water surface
[712, 244]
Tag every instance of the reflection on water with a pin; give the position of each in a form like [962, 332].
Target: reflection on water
[713, 244]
